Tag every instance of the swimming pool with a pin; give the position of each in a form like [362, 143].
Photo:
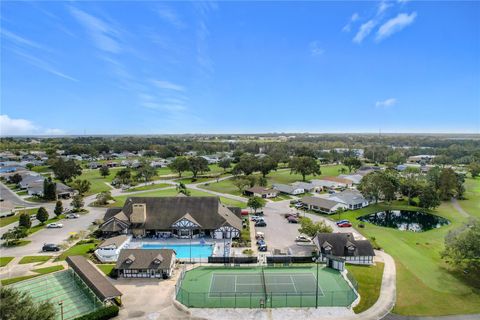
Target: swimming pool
[184, 251]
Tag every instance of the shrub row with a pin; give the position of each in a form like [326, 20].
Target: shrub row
[104, 313]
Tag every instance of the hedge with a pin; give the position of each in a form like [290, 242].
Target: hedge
[101, 314]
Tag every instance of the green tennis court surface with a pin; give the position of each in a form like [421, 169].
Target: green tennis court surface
[61, 286]
[271, 287]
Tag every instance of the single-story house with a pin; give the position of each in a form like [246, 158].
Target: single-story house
[108, 250]
[285, 188]
[308, 187]
[261, 192]
[62, 191]
[179, 217]
[322, 204]
[353, 199]
[344, 245]
[145, 263]
[94, 165]
[332, 183]
[355, 178]
[29, 179]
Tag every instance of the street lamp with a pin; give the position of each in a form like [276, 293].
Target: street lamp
[61, 309]
[317, 261]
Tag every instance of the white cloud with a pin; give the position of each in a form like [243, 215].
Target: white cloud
[353, 18]
[394, 25]
[44, 65]
[9, 126]
[103, 35]
[387, 103]
[169, 16]
[315, 49]
[18, 40]
[382, 6]
[364, 31]
[166, 85]
[54, 132]
[16, 127]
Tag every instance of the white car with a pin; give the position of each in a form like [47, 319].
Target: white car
[302, 239]
[72, 216]
[54, 225]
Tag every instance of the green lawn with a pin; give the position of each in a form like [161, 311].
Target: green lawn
[425, 286]
[98, 183]
[40, 271]
[149, 187]
[369, 280]
[224, 186]
[5, 260]
[472, 195]
[41, 169]
[34, 259]
[119, 201]
[8, 220]
[80, 249]
[106, 268]
[19, 243]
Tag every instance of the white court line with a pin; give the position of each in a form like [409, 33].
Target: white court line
[235, 290]
[293, 282]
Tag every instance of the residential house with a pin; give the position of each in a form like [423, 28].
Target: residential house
[178, 217]
[94, 165]
[62, 191]
[308, 187]
[355, 178]
[332, 183]
[322, 204]
[261, 192]
[344, 245]
[146, 263]
[109, 250]
[353, 199]
[288, 189]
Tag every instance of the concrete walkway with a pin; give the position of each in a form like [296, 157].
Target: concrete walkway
[456, 317]
[459, 209]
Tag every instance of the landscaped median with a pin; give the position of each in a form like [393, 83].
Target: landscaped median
[369, 280]
[5, 261]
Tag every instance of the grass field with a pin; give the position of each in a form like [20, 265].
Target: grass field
[425, 286]
[149, 187]
[279, 176]
[120, 200]
[217, 287]
[106, 268]
[369, 280]
[98, 183]
[34, 259]
[5, 260]
[472, 194]
[80, 249]
[39, 271]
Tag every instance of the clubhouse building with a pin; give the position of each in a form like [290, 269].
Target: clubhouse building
[178, 217]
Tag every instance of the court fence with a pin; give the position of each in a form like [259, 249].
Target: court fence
[340, 298]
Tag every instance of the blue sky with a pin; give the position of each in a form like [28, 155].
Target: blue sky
[239, 67]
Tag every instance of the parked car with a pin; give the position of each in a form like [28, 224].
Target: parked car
[50, 247]
[292, 219]
[302, 239]
[244, 212]
[257, 218]
[298, 205]
[258, 213]
[72, 216]
[261, 223]
[259, 235]
[54, 225]
[331, 191]
[344, 225]
[288, 215]
[262, 248]
[260, 242]
[294, 201]
[342, 221]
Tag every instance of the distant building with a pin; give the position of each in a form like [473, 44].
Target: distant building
[287, 189]
[146, 263]
[261, 192]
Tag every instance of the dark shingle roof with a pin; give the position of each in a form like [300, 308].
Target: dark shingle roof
[144, 258]
[340, 241]
[93, 278]
[162, 212]
[110, 213]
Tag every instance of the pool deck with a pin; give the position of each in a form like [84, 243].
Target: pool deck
[218, 245]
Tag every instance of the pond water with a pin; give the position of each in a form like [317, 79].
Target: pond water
[404, 220]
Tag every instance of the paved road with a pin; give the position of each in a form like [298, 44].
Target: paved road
[195, 186]
[11, 197]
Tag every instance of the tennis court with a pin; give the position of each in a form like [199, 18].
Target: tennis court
[61, 287]
[256, 287]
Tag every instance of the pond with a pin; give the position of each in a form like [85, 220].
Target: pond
[405, 220]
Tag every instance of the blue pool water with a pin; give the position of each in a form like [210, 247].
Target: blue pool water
[183, 250]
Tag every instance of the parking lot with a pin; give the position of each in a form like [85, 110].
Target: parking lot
[280, 234]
